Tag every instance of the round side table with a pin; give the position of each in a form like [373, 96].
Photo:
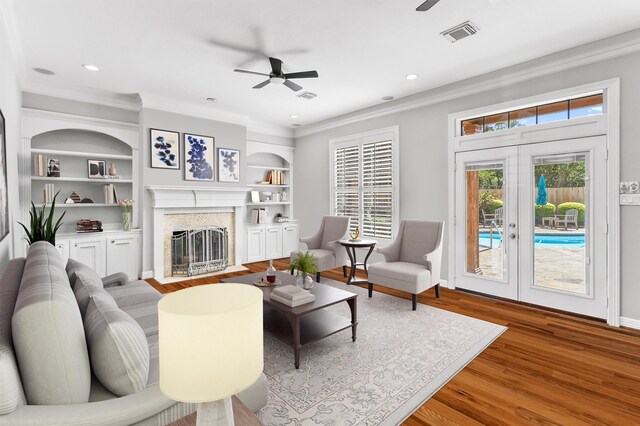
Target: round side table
[351, 247]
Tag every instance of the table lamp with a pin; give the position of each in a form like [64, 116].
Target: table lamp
[211, 346]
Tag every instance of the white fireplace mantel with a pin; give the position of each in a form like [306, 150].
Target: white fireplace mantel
[169, 199]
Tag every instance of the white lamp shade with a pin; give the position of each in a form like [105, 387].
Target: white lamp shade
[210, 341]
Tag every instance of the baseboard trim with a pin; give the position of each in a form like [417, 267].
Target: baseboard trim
[630, 322]
[444, 283]
[146, 275]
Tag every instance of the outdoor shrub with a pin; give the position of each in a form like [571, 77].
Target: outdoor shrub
[493, 204]
[544, 211]
[562, 209]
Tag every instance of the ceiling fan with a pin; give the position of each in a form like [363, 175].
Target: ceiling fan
[276, 76]
[426, 5]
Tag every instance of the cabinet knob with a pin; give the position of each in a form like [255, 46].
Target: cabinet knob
[113, 241]
[76, 244]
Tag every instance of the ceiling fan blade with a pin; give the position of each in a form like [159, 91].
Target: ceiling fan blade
[303, 74]
[291, 85]
[276, 66]
[261, 85]
[426, 5]
[251, 72]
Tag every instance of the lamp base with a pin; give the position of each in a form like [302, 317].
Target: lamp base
[215, 413]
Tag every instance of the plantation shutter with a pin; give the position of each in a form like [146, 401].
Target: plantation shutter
[377, 189]
[347, 182]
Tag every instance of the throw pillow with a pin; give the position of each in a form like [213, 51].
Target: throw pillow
[85, 287]
[74, 267]
[118, 348]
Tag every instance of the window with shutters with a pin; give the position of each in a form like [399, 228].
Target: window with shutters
[364, 182]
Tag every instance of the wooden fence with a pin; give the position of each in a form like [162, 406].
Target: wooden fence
[555, 196]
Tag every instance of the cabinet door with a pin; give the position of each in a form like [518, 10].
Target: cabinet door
[273, 242]
[289, 239]
[63, 248]
[91, 252]
[123, 256]
[255, 244]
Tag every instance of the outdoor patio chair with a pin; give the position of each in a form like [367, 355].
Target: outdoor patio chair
[496, 217]
[570, 217]
[412, 262]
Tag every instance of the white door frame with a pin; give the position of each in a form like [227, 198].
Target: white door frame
[607, 124]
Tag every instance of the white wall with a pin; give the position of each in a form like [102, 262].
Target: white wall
[10, 104]
[423, 151]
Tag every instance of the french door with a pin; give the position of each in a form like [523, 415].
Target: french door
[530, 224]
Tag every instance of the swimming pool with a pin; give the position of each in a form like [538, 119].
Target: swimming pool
[541, 240]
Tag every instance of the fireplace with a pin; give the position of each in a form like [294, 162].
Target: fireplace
[199, 251]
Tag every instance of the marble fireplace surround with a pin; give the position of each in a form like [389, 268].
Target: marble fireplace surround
[173, 200]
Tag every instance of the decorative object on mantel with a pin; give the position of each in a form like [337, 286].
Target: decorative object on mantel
[127, 209]
[228, 165]
[53, 168]
[96, 169]
[84, 226]
[198, 157]
[112, 170]
[41, 228]
[164, 149]
[305, 263]
[75, 197]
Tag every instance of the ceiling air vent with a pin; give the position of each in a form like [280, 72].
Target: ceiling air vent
[307, 95]
[459, 32]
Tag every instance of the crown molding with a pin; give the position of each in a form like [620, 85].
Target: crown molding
[161, 103]
[9, 23]
[79, 119]
[125, 102]
[571, 58]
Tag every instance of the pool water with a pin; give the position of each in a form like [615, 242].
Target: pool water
[541, 240]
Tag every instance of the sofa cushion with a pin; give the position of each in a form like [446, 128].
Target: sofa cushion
[118, 348]
[133, 293]
[48, 334]
[73, 267]
[85, 288]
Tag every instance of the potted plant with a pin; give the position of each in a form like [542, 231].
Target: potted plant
[306, 264]
[41, 228]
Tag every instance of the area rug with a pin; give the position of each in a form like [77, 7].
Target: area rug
[399, 360]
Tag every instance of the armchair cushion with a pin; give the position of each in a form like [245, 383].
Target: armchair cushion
[418, 238]
[404, 276]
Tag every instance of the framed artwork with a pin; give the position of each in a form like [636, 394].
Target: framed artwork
[97, 169]
[4, 202]
[198, 157]
[228, 165]
[53, 168]
[164, 149]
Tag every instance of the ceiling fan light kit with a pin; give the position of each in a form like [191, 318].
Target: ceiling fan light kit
[276, 76]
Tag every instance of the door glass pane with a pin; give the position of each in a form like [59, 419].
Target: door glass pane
[561, 206]
[485, 251]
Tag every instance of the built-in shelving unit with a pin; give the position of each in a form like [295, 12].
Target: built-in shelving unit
[270, 203]
[257, 167]
[77, 205]
[79, 179]
[66, 153]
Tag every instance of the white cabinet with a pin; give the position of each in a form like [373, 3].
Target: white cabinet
[123, 256]
[106, 253]
[91, 252]
[63, 249]
[273, 241]
[289, 239]
[255, 244]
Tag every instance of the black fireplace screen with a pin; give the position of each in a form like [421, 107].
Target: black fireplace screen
[199, 251]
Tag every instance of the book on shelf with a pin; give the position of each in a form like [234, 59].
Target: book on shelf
[39, 165]
[48, 193]
[258, 216]
[275, 177]
[291, 292]
[293, 303]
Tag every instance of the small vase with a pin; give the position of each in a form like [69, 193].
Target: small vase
[112, 169]
[126, 221]
[304, 281]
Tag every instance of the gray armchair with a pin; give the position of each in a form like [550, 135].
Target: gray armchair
[412, 262]
[324, 244]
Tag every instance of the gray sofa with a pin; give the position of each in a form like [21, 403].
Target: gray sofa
[47, 372]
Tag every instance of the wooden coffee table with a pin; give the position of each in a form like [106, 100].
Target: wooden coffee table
[305, 323]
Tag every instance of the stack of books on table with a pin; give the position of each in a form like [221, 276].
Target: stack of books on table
[292, 295]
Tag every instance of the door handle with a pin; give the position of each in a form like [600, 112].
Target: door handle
[512, 236]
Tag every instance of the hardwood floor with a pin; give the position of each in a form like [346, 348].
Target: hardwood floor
[548, 368]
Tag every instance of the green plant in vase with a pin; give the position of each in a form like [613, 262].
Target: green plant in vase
[306, 264]
[41, 227]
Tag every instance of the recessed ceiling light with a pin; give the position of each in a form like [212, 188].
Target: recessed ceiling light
[90, 67]
[411, 76]
[44, 71]
[388, 98]
[212, 99]
[293, 116]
